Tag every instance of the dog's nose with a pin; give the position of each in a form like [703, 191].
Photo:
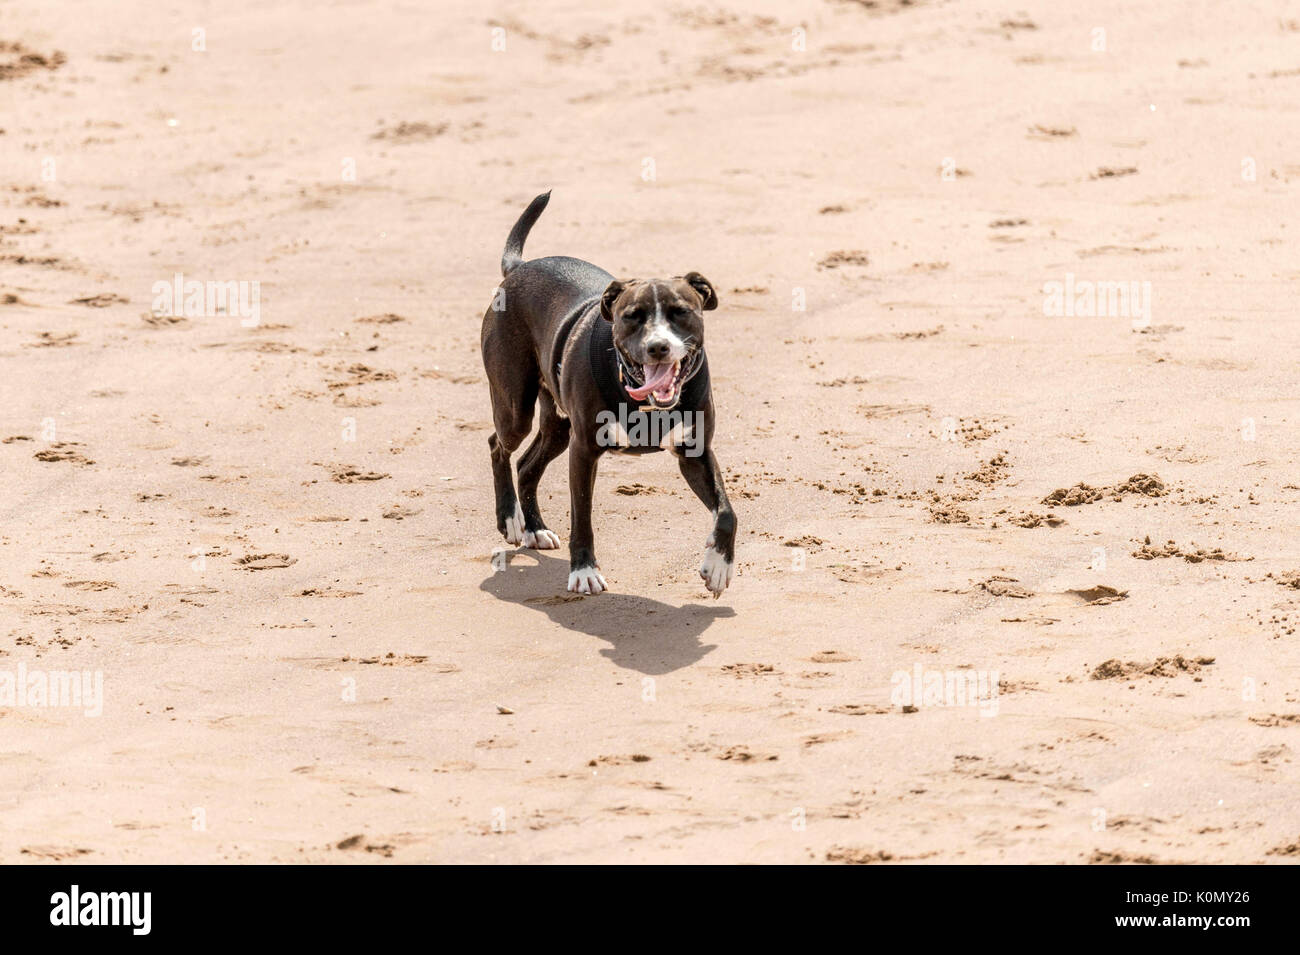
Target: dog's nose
[656, 351]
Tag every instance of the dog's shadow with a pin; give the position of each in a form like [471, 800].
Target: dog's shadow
[645, 635]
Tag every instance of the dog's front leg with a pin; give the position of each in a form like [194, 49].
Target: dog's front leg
[584, 575]
[705, 478]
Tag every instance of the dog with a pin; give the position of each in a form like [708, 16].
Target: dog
[616, 365]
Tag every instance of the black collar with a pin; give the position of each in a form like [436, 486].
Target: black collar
[610, 372]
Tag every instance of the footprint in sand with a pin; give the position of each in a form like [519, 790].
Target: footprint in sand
[1162, 666]
[750, 669]
[18, 60]
[1100, 595]
[347, 474]
[266, 561]
[64, 451]
[103, 300]
[831, 656]
[859, 709]
[53, 340]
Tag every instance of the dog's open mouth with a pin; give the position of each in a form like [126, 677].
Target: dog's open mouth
[663, 384]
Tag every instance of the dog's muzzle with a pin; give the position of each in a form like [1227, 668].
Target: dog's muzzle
[661, 383]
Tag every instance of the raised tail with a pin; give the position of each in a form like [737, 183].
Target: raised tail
[514, 253]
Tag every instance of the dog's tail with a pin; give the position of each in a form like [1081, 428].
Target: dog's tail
[514, 253]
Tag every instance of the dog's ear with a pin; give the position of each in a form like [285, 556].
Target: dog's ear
[705, 289]
[612, 292]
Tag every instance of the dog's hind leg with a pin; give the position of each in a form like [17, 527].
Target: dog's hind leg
[513, 397]
[510, 520]
[552, 438]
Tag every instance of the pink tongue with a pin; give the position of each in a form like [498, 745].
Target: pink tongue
[657, 378]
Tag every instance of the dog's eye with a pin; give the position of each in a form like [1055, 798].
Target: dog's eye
[636, 318]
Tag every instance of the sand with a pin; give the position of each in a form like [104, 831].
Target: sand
[274, 543]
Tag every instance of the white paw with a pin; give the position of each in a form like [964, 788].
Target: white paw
[515, 527]
[716, 571]
[542, 540]
[587, 580]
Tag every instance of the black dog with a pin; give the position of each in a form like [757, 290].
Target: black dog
[593, 349]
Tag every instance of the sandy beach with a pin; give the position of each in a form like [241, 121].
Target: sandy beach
[1005, 368]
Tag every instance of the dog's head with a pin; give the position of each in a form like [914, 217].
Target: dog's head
[659, 331]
